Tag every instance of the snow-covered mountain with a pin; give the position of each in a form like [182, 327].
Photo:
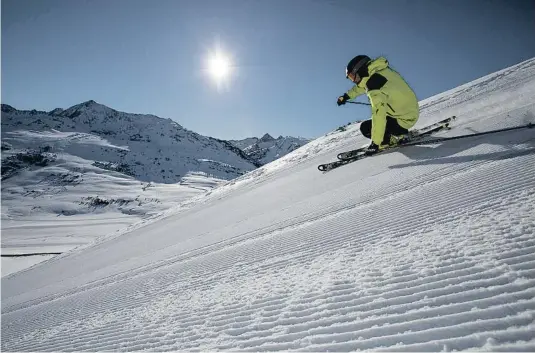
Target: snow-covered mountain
[425, 248]
[145, 146]
[89, 170]
[72, 200]
[266, 149]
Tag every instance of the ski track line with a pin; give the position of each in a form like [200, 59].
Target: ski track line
[515, 340]
[357, 303]
[101, 337]
[518, 303]
[157, 265]
[234, 239]
[456, 330]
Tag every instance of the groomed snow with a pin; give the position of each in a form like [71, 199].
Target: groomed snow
[429, 248]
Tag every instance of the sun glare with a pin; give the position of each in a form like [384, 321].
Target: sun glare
[219, 67]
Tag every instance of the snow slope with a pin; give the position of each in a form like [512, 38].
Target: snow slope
[429, 248]
[67, 202]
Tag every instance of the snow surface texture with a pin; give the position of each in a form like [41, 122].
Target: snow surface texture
[428, 248]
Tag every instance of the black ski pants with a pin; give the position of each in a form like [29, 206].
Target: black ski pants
[392, 128]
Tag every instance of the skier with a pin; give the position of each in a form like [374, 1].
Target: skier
[394, 105]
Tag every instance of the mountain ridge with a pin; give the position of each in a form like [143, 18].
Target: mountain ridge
[266, 149]
[168, 145]
[95, 118]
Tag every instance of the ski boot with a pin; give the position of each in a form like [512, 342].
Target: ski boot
[396, 140]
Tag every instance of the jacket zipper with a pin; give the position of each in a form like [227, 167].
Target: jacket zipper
[389, 106]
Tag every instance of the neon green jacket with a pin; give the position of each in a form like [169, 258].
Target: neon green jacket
[389, 95]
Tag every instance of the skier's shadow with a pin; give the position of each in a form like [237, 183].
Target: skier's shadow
[446, 152]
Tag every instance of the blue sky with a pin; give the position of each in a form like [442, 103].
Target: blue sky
[289, 55]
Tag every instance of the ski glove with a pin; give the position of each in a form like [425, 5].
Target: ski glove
[372, 149]
[342, 99]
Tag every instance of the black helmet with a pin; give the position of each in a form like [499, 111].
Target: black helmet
[356, 64]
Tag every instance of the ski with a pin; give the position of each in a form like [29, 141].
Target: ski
[332, 165]
[428, 128]
[336, 164]
[414, 135]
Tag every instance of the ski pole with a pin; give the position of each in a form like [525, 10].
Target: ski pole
[358, 103]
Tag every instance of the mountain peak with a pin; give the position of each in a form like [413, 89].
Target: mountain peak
[266, 138]
[89, 104]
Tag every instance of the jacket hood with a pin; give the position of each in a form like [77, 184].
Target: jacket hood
[377, 65]
[374, 66]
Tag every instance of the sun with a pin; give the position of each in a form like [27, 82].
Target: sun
[219, 67]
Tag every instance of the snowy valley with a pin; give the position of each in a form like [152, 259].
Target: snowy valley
[89, 170]
[425, 248]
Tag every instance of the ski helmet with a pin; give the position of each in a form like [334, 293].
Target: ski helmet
[356, 64]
